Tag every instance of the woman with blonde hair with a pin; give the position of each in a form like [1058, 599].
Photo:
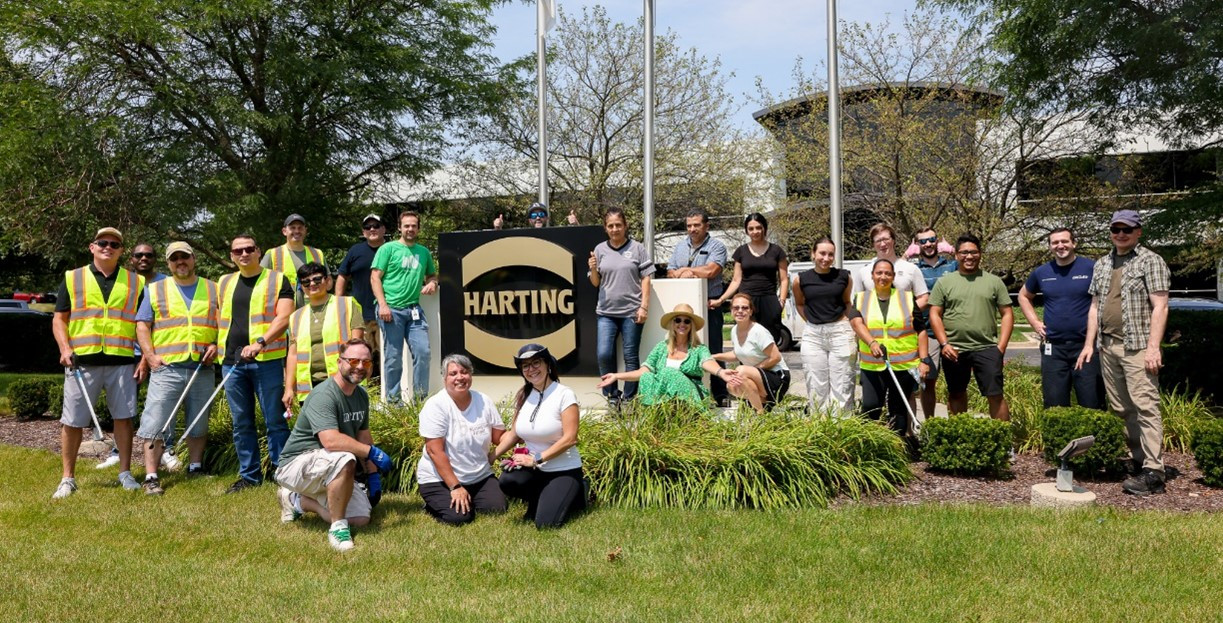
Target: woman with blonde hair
[675, 367]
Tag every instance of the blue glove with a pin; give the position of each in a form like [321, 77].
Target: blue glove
[373, 487]
[380, 459]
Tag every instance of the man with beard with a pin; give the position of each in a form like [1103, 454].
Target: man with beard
[932, 265]
[402, 272]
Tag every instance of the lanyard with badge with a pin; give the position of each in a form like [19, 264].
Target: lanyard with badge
[696, 252]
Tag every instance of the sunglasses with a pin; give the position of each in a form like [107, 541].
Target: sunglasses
[740, 308]
[102, 244]
[371, 226]
[357, 362]
[1121, 230]
[931, 240]
[244, 250]
[969, 253]
[179, 257]
[537, 215]
[312, 281]
[681, 320]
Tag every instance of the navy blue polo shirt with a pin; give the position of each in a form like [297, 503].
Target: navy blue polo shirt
[1066, 299]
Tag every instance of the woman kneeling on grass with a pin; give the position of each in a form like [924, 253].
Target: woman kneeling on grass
[675, 368]
[762, 377]
[548, 477]
[459, 426]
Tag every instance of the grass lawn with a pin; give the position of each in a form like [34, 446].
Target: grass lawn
[196, 555]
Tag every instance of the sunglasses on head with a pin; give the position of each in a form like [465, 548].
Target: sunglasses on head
[930, 240]
[108, 243]
[1117, 229]
[244, 250]
[358, 362]
[312, 281]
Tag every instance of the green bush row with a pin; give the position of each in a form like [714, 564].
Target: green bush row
[1208, 451]
[1064, 424]
[967, 444]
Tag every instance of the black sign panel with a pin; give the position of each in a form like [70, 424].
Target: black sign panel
[503, 289]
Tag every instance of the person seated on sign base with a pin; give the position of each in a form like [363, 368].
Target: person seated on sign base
[675, 367]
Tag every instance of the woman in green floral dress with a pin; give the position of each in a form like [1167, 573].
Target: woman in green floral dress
[675, 367]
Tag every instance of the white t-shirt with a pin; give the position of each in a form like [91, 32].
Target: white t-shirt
[752, 351]
[546, 429]
[908, 277]
[468, 434]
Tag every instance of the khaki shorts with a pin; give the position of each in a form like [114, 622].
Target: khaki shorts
[310, 473]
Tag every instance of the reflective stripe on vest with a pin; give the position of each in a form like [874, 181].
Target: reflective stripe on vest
[282, 260]
[102, 326]
[181, 334]
[261, 313]
[896, 334]
[337, 319]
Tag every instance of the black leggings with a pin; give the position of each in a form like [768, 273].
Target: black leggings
[768, 313]
[877, 386]
[486, 497]
[551, 497]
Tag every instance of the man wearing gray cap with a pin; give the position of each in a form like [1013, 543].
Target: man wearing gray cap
[1129, 311]
[288, 257]
[354, 270]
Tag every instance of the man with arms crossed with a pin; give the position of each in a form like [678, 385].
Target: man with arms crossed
[319, 469]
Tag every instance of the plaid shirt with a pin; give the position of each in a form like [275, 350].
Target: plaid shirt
[1142, 275]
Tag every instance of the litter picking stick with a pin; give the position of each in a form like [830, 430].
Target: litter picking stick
[80, 381]
[887, 363]
[174, 411]
[207, 406]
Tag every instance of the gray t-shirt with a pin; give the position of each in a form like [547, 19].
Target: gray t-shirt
[620, 274]
[327, 408]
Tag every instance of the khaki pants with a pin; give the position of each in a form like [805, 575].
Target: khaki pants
[1133, 394]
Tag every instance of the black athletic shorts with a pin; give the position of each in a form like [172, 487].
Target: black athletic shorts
[985, 364]
[776, 384]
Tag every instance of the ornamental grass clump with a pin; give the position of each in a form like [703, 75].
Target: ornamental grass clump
[1208, 451]
[1183, 413]
[1061, 425]
[396, 429]
[967, 444]
[677, 455]
[1026, 402]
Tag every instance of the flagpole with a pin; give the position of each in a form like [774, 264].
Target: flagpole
[648, 147]
[541, 94]
[834, 137]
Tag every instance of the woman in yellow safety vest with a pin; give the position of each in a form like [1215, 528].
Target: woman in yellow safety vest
[316, 333]
[886, 319]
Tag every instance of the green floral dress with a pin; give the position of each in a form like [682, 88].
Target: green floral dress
[663, 383]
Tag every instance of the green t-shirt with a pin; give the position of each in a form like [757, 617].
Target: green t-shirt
[327, 408]
[404, 270]
[970, 308]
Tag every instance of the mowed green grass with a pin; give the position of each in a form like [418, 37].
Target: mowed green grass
[196, 555]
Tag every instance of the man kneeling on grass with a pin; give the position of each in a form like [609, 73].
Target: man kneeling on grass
[318, 466]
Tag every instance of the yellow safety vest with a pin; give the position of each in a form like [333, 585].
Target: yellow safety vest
[896, 334]
[182, 334]
[262, 313]
[336, 330]
[102, 326]
[282, 260]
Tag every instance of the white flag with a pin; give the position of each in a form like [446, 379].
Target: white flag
[549, 14]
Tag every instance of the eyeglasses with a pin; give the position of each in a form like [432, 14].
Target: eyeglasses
[1121, 230]
[740, 308]
[102, 244]
[969, 253]
[930, 240]
[179, 257]
[357, 362]
[244, 250]
[681, 320]
[878, 240]
[537, 215]
[312, 281]
[142, 256]
[533, 363]
[371, 226]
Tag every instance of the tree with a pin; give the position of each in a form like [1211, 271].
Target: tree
[198, 119]
[595, 93]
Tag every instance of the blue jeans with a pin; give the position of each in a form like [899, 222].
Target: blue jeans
[265, 380]
[416, 333]
[630, 336]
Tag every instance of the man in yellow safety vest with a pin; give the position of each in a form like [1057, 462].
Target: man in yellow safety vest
[316, 333]
[95, 327]
[289, 257]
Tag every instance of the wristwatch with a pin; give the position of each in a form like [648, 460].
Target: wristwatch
[260, 341]
[457, 485]
[927, 360]
[539, 458]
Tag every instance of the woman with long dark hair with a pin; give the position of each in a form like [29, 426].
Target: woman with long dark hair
[760, 272]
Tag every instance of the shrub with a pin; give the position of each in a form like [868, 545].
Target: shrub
[1208, 451]
[29, 398]
[1182, 415]
[967, 444]
[1190, 340]
[676, 455]
[1063, 424]
[1023, 396]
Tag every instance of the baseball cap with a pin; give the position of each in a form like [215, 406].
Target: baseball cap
[111, 231]
[179, 247]
[371, 216]
[294, 217]
[1127, 217]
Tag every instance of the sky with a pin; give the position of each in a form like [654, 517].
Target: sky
[753, 38]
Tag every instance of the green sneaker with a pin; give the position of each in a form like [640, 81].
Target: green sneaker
[340, 539]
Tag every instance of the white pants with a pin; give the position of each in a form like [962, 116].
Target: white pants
[830, 354]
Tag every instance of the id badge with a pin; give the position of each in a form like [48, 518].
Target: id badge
[415, 314]
[1048, 349]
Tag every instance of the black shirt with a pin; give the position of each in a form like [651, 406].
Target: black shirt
[356, 267]
[240, 314]
[106, 284]
[759, 274]
[824, 294]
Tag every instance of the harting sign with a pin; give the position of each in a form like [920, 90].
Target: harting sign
[503, 289]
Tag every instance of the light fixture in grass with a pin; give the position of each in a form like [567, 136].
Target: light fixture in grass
[675, 455]
[967, 444]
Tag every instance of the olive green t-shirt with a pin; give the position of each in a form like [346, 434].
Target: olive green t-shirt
[970, 308]
[318, 350]
[327, 408]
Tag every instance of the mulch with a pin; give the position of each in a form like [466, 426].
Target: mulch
[1185, 493]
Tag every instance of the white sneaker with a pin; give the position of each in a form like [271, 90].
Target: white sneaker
[66, 488]
[288, 510]
[128, 481]
[110, 461]
[340, 539]
[170, 462]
